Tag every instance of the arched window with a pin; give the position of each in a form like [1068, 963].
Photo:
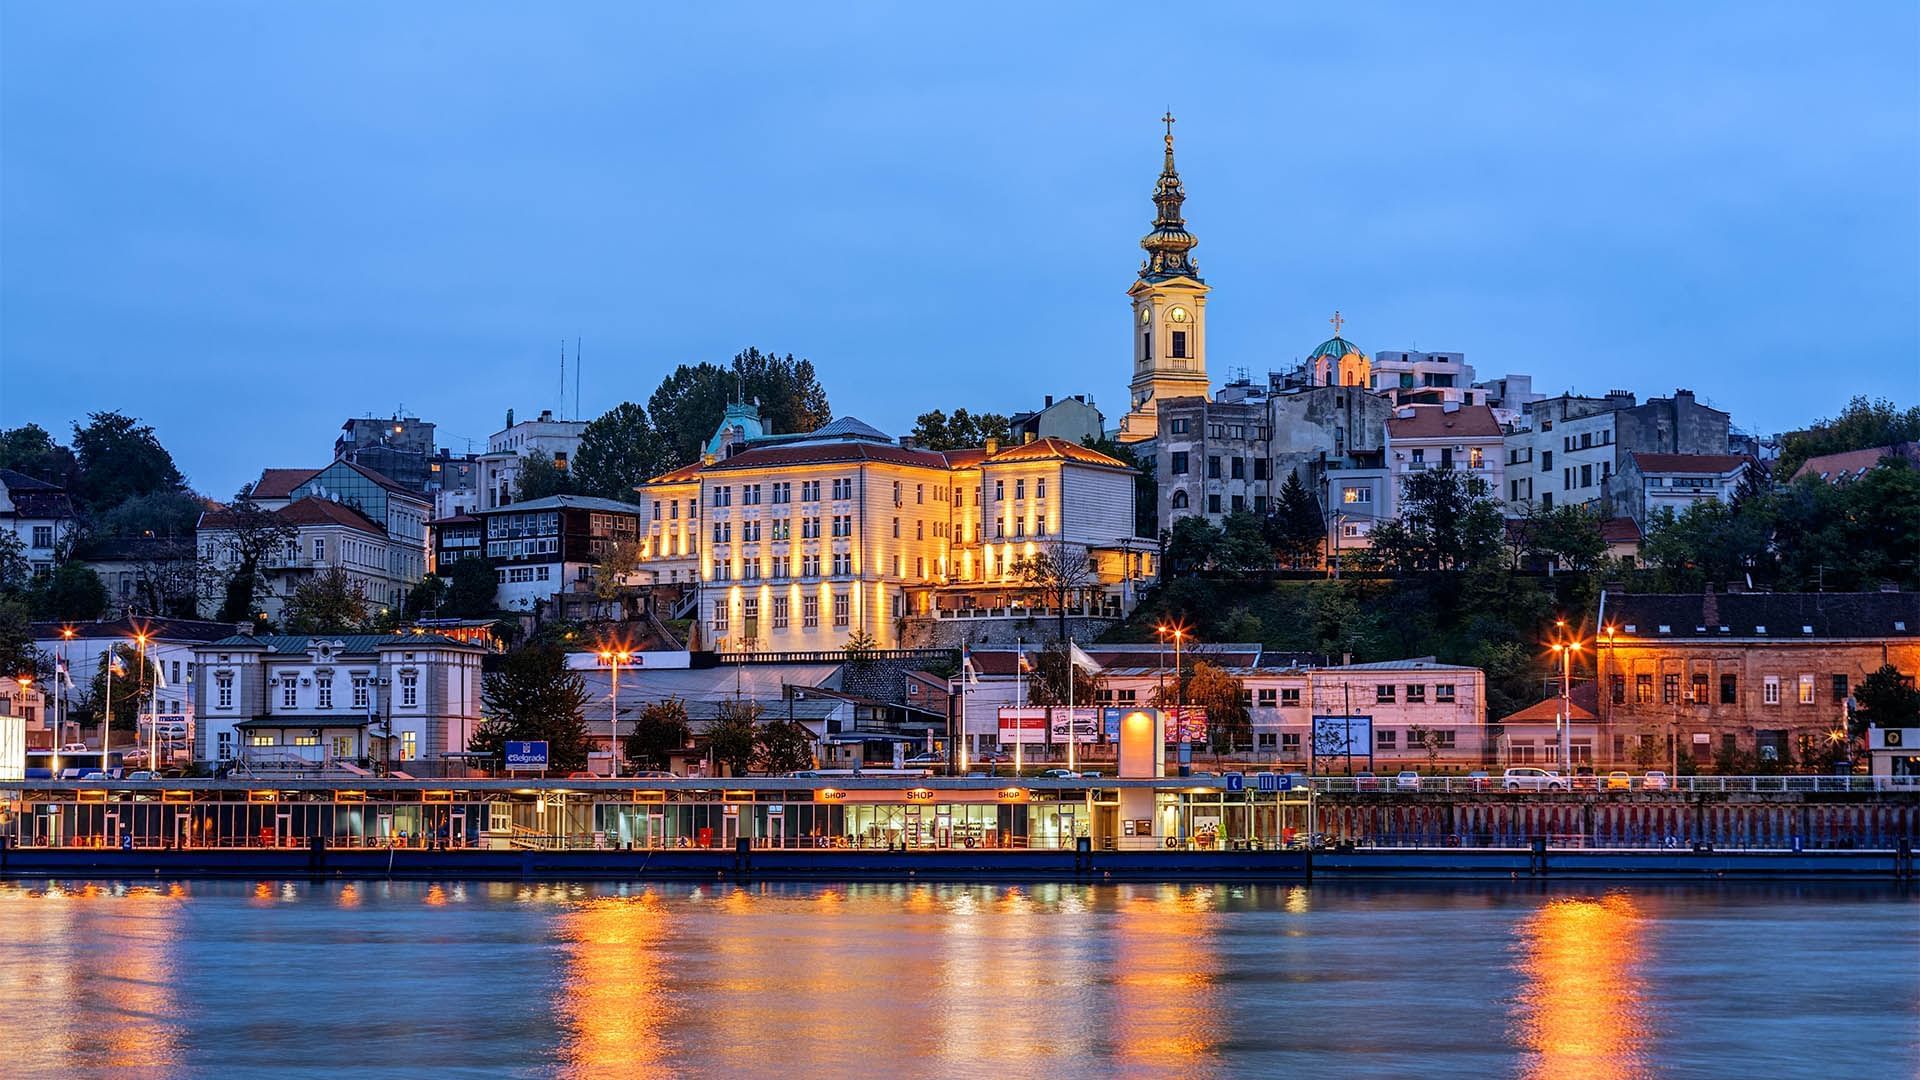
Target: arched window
[1179, 500]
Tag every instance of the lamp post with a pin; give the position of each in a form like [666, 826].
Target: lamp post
[1565, 650]
[140, 650]
[614, 657]
[61, 702]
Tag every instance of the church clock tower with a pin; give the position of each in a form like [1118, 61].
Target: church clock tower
[1169, 310]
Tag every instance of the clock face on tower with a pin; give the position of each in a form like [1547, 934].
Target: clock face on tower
[1146, 315]
[1178, 314]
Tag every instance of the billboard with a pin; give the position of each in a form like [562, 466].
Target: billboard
[1342, 736]
[1023, 725]
[1187, 724]
[526, 756]
[1041, 724]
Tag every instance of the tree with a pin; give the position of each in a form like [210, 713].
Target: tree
[16, 573]
[619, 452]
[1047, 683]
[1229, 724]
[539, 477]
[1885, 699]
[1862, 425]
[1448, 520]
[1058, 576]
[1193, 545]
[426, 597]
[119, 457]
[329, 602]
[617, 564]
[1243, 543]
[659, 730]
[687, 407]
[785, 746]
[1563, 537]
[18, 656]
[734, 735]
[72, 593]
[154, 513]
[1296, 530]
[31, 450]
[535, 696]
[936, 430]
[860, 647]
[1709, 542]
[251, 535]
[471, 585]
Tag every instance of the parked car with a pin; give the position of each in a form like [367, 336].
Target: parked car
[651, 774]
[805, 774]
[143, 774]
[1059, 774]
[1408, 780]
[1655, 781]
[75, 748]
[992, 757]
[927, 759]
[1527, 778]
[1619, 780]
[1365, 781]
[1478, 780]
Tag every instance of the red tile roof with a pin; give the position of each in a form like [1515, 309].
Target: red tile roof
[1051, 448]
[966, 459]
[1436, 422]
[1851, 463]
[821, 453]
[678, 476]
[307, 511]
[1620, 530]
[1688, 463]
[279, 483]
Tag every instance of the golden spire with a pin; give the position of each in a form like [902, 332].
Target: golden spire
[1169, 244]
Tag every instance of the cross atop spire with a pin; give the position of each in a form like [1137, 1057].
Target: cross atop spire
[1337, 322]
[1168, 120]
[1169, 244]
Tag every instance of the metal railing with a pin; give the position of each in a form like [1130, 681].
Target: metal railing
[1391, 784]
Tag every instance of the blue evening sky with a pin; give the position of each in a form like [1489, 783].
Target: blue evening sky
[247, 222]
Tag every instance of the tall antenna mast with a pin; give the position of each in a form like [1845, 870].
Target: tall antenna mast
[576, 378]
[561, 405]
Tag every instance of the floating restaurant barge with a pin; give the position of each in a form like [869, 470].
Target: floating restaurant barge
[822, 828]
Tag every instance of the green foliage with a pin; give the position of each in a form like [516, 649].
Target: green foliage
[1885, 699]
[1710, 542]
[963, 430]
[785, 746]
[734, 735]
[119, 458]
[471, 584]
[130, 692]
[1448, 520]
[534, 696]
[72, 593]
[1047, 682]
[18, 656]
[1229, 724]
[1243, 543]
[1563, 537]
[619, 452]
[659, 730]
[30, 449]
[16, 573]
[329, 602]
[1057, 576]
[1862, 425]
[253, 535]
[1193, 545]
[538, 478]
[424, 598]
[687, 407]
[155, 513]
[860, 647]
[1295, 529]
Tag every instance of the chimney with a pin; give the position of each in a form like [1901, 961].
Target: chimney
[993, 447]
[906, 442]
[1027, 437]
[1710, 607]
[1049, 401]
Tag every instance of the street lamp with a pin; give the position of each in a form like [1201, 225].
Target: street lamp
[615, 657]
[65, 675]
[1565, 650]
[1179, 712]
[140, 648]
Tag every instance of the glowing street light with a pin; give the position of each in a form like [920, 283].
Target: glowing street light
[1565, 650]
[614, 657]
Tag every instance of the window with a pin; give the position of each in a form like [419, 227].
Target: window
[1290, 742]
[359, 691]
[1213, 504]
[1806, 689]
[1416, 694]
[1670, 688]
[306, 740]
[1770, 690]
[223, 691]
[226, 746]
[1019, 489]
[1443, 693]
[1177, 462]
[258, 740]
[1269, 698]
[809, 611]
[409, 745]
[1238, 469]
[1178, 427]
[289, 692]
[1213, 467]
[779, 613]
[1384, 694]
[843, 488]
[1697, 689]
[1643, 689]
[1040, 488]
[1351, 495]
[1180, 500]
[1180, 344]
[1618, 688]
[1839, 688]
[319, 549]
[1386, 739]
[409, 690]
[325, 687]
[43, 536]
[1476, 457]
[720, 613]
[842, 608]
[1729, 689]
[1546, 461]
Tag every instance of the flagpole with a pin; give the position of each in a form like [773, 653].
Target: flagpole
[1019, 698]
[106, 716]
[1073, 727]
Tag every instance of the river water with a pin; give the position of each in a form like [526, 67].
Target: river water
[400, 979]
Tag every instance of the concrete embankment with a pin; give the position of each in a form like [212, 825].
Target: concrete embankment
[1563, 864]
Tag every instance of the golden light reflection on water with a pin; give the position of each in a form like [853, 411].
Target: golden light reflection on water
[1582, 1004]
[615, 1003]
[1167, 1005]
[111, 947]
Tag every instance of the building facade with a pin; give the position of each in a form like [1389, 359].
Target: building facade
[1169, 311]
[1710, 676]
[1649, 484]
[1464, 438]
[545, 547]
[39, 515]
[1073, 418]
[1567, 450]
[545, 436]
[398, 447]
[360, 701]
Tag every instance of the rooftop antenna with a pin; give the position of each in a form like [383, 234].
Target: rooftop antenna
[576, 378]
[562, 403]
